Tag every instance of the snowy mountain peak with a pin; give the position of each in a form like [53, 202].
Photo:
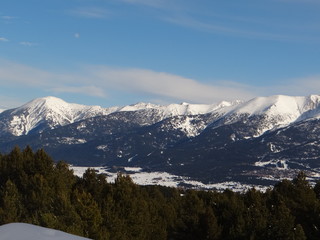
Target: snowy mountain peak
[139, 106]
[49, 112]
[53, 104]
[279, 105]
[272, 112]
[42, 104]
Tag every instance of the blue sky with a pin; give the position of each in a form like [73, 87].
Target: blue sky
[119, 52]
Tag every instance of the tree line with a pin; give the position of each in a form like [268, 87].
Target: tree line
[34, 189]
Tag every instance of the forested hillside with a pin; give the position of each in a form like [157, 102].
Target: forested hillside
[36, 190]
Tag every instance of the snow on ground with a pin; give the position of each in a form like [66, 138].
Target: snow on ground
[71, 140]
[23, 231]
[140, 177]
[278, 164]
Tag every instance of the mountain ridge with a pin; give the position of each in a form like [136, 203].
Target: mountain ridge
[244, 141]
[52, 112]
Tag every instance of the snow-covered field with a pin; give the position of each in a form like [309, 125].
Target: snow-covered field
[23, 231]
[166, 179]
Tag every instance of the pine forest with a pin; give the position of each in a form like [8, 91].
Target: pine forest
[35, 189]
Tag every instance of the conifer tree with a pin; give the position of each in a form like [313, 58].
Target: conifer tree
[281, 223]
[11, 208]
[299, 233]
[89, 213]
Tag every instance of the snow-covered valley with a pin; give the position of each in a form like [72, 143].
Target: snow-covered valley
[166, 179]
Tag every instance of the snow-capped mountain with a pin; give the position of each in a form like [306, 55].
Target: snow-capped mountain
[271, 112]
[244, 141]
[48, 112]
[52, 112]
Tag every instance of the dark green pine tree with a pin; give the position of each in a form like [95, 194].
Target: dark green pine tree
[281, 223]
[130, 211]
[316, 189]
[188, 211]
[299, 233]
[11, 208]
[256, 214]
[89, 212]
[209, 227]
[230, 210]
[302, 201]
[94, 184]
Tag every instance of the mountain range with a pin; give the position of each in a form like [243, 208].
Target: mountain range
[253, 142]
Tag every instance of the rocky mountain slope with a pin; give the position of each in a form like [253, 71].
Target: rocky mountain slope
[257, 141]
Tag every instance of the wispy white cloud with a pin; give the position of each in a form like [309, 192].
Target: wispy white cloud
[182, 14]
[14, 74]
[300, 1]
[8, 17]
[19, 75]
[84, 90]
[102, 81]
[7, 102]
[164, 6]
[28, 44]
[77, 35]
[297, 86]
[90, 12]
[167, 85]
[150, 3]
[2, 39]
[99, 81]
[236, 31]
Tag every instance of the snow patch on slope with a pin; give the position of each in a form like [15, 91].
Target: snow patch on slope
[23, 231]
[71, 140]
[188, 125]
[278, 164]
